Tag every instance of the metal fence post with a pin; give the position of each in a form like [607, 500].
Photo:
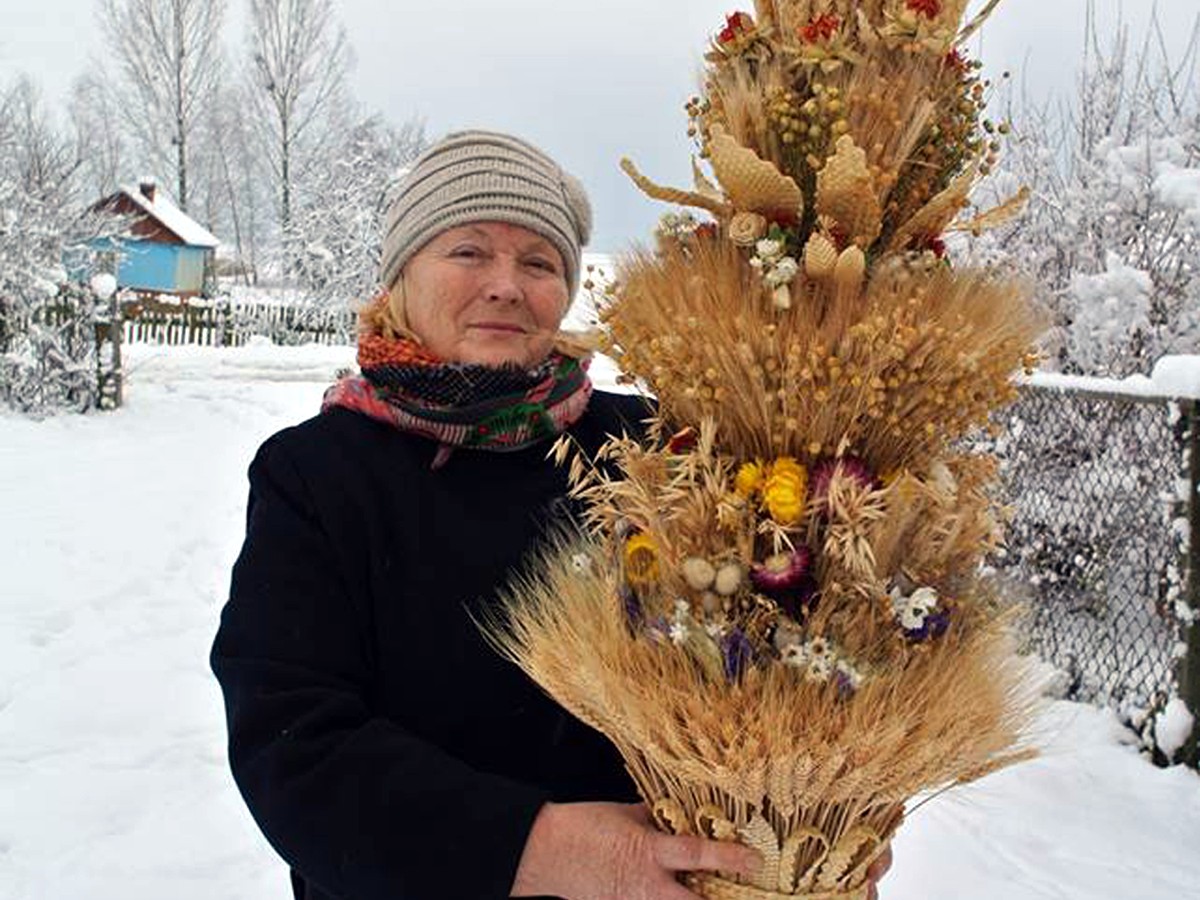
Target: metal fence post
[1189, 666]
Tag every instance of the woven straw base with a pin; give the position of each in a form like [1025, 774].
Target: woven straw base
[713, 887]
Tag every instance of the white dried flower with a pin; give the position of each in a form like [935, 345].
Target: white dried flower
[786, 269]
[698, 573]
[728, 580]
[911, 618]
[853, 677]
[768, 249]
[794, 655]
[924, 598]
[819, 669]
[818, 646]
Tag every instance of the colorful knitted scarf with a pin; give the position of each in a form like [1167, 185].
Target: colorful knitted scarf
[482, 407]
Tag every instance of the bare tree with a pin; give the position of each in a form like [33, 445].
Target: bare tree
[99, 138]
[169, 54]
[240, 181]
[301, 57]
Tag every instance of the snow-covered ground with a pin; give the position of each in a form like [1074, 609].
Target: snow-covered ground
[116, 539]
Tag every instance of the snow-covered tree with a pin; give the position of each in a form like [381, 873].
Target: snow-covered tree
[1112, 234]
[340, 215]
[47, 339]
[169, 61]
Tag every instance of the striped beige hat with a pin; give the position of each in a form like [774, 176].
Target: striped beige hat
[485, 176]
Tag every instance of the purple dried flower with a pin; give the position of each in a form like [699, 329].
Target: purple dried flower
[933, 625]
[937, 623]
[851, 467]
[787, 579]
[633, 608]
[781, 573]
[737, 653]
[845, 684]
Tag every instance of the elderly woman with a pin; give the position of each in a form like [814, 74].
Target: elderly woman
[384, 749]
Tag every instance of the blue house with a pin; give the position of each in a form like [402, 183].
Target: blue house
[163, 250]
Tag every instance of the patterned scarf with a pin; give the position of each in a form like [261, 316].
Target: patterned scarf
[481, 407]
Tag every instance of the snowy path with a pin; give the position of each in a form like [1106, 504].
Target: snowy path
[116, 539]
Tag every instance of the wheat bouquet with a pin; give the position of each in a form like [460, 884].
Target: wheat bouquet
[775, 609]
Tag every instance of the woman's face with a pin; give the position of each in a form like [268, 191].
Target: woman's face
[486, 293]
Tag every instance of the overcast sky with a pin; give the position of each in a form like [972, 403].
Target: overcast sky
[588, 82]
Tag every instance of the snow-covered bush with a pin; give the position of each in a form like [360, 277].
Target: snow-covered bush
[47, 326]
[1112, 232]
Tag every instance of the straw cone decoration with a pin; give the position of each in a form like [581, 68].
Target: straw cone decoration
[774, 608]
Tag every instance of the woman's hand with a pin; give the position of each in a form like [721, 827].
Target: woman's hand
[877, 870]
[610, 851]
[602, 851]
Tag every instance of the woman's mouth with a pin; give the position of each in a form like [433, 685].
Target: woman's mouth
[504, 327]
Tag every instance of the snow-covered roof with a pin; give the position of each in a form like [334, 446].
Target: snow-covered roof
[174, 219]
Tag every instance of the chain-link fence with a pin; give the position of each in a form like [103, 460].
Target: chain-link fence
[1100, 486]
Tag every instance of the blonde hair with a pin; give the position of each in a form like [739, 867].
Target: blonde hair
[385, 316]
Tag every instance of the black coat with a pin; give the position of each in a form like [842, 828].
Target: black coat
[384, 749]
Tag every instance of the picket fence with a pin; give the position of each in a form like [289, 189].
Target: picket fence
[231, 323]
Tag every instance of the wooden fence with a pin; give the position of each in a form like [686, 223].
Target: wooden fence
[231, 323]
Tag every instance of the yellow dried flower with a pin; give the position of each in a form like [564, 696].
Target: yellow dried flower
[749, 479]
[641, 559]
[785, 490]
[788, 466]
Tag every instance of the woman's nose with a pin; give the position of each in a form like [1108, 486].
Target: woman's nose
[504, 283]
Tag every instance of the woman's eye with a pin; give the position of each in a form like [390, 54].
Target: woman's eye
[468, 252]
[544, 264]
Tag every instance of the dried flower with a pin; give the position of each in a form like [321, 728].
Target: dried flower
[634, 615]
[683, 441]
[787, 579]
[737, 653]
[785, 490]
[769, 249]
[749, 479]
[641, 559]
[737, 25]
[747, 228]
[918, 615]
[784, 270]
[930, 9]
[820, 28]
[698, 573]
[728, 580]
[677, 225]
[844, 467]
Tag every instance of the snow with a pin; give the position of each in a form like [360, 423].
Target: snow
[118, 535]
[1179, 187]
[1173, 729]
[1173, 376]
[104, 285]
[1178, 376]
[171, 216]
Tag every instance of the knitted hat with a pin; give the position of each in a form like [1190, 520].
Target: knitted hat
[484, 176]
